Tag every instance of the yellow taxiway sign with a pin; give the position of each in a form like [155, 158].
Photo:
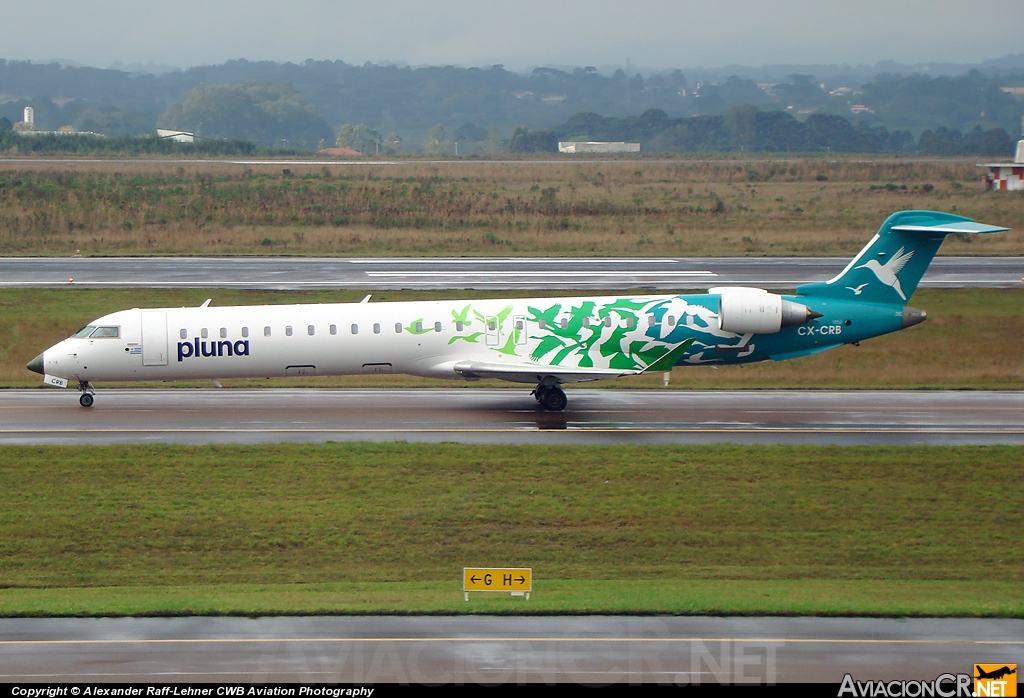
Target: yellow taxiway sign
[517, 581]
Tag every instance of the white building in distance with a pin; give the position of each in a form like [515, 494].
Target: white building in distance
[1007, 175]
[30, 116]
[179, 136]
[598, 147]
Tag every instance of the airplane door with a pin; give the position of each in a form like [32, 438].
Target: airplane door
[519, 329]
[154, 338]
[491, 330]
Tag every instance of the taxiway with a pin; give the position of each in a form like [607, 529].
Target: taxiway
[491, 650]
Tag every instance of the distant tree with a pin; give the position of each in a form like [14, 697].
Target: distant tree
[676, 79]
[996, 142]
[524, 141]
[392, 143]
[5, 124]
[470, 133]
[360, 137]
[740, 123]
[941, 141]
[435, 140]
[267, 113]
[495, 143]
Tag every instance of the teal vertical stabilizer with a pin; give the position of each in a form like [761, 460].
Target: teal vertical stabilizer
[889, 268]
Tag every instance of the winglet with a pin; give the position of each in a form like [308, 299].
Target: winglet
[666, 362]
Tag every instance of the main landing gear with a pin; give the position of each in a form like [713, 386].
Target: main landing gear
[551, 397]
[86, 399]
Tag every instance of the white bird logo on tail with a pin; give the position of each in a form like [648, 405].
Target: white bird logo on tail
[887, 272]
[857, 291]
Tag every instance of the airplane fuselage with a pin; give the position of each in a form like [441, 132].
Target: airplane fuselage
[543, 341]
[429, 338]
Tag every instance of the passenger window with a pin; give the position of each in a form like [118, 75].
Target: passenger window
[266, 331]
[607, 320]
[398, 328]
[288, 331]
[334, 329]
[459, 326]
[311, 330]
[437, 327]
[204, 333]
[630, 322]
[376, 328]
[105, 333]
[245, 332]
[491, 325]
[419, 327]
[542, 324]
[223, 332]
[650, 321]
[586, 323]
[565, 323]
[520, 325]
[671, 320]
[183, 334]
[355, 329]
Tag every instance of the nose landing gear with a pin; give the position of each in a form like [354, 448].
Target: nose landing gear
[86, 399]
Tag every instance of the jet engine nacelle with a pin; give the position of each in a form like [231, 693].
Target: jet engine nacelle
[755, 311]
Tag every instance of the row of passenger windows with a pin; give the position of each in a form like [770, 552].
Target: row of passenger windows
[629, 324]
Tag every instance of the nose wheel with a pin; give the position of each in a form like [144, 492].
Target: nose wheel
[551, 397]
[87, 397]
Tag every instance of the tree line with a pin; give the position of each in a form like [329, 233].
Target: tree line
[748, 128]
[268, 102]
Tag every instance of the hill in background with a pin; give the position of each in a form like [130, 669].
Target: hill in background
[306, 104]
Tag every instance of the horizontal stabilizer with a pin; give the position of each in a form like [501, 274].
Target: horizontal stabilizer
[951, 228]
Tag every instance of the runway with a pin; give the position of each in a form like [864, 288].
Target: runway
[511, 416]
[295, 273]
[481, 649]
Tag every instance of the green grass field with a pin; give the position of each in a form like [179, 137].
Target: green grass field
[387, 528]
[971, 340]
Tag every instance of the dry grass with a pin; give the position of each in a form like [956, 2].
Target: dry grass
[803, 206]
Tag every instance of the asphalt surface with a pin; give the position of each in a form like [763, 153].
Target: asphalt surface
[283, 273]
[481, 649]
[511, 416]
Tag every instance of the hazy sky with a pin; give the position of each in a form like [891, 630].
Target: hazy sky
[652, 33]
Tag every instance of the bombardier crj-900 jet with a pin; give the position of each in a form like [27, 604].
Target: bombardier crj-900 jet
[545, 342]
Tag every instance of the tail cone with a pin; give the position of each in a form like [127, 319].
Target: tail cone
[912, 316]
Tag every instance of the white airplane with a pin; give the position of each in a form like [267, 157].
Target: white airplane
[545, 342]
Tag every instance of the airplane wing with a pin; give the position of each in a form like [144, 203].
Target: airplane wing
[535, 373]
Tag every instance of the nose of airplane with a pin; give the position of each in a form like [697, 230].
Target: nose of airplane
[36, 364]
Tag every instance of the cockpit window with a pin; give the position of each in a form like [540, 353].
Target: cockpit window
[84, 332]
[105, 332]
